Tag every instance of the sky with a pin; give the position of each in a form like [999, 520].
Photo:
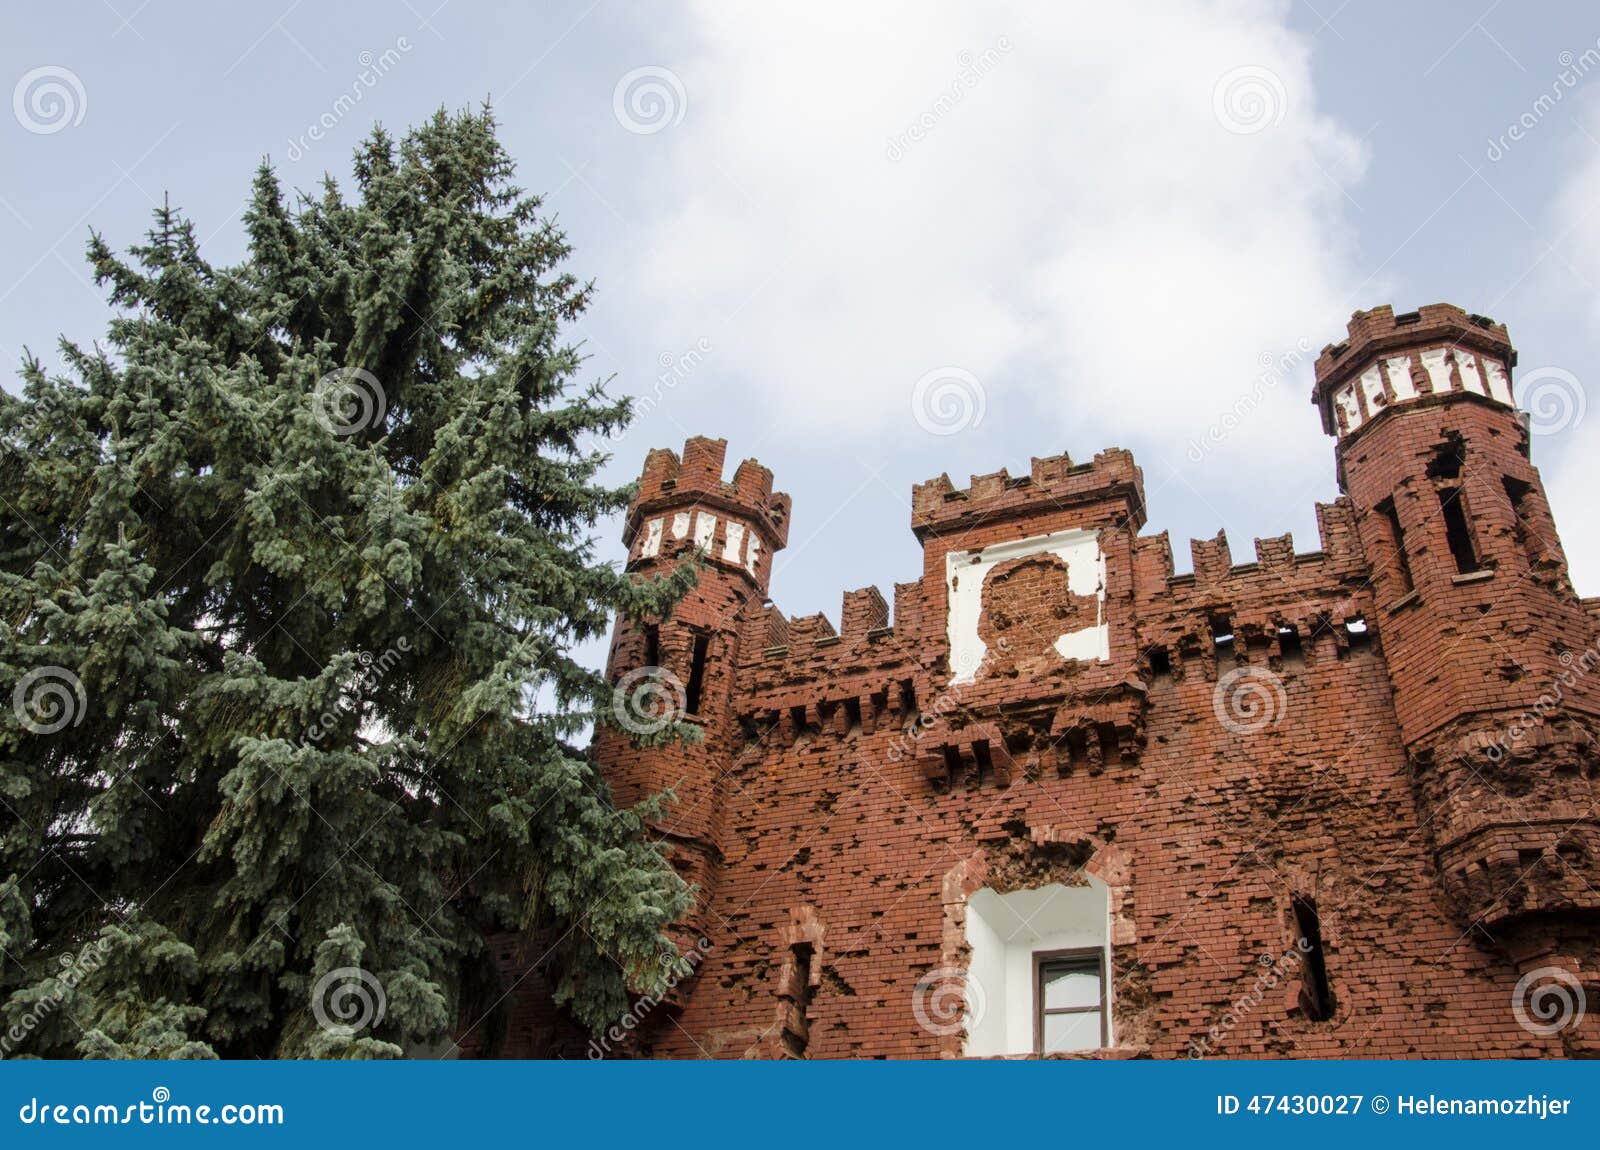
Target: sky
[872, 243]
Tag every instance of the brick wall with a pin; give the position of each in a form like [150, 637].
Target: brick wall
[1300, 726]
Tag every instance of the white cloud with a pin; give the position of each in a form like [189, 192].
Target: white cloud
[1569, 412]
[1075, 226]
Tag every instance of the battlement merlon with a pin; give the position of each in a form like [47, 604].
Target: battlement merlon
[1378, 366]
[670, 484]
[1054, 482]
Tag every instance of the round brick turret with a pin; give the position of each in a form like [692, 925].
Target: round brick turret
[1490, 651]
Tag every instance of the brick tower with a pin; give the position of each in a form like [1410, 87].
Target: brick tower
[685, 662]
[1489, 649]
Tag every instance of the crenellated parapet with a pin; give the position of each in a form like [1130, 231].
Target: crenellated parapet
[1424, 356]
[1053, 483]
[685, 503]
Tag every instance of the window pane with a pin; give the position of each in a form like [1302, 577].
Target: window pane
[1064, 1032]
[1070, 985]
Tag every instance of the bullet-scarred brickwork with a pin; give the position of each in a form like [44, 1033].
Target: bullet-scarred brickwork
[1330, 803]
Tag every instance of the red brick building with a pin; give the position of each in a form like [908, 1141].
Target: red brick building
[1335, 803]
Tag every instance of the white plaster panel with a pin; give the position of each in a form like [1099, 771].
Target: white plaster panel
[1399, 369]
[1349, 406]
[680, 525]
[1433, 362]
[966, 572]
[733, 542]
[1499, 382]
[752, 555]
[651, 547]
[705, 528]
[1444, 366]
[1372, 388]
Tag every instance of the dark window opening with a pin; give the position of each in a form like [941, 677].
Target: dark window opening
[1357, 631]
[652, 645]
[908, 696]
[1397, 541]
[795, 994]
[1110, 748]
[1316, 997]
[1160, 662]
[852, 714]
[1457, 531]
[1069, 1001]
[697, 674]
[1222, 635]
[1077, 748]
[797, 716]
[983, 759]
[1446, 461]
[1523, 527]
[1289, 644]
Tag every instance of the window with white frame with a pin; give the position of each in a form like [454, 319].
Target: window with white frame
[1037, 973]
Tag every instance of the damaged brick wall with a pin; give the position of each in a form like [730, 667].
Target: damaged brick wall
[1229, 746]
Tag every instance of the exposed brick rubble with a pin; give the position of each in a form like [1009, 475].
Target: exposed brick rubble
[855, 787]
